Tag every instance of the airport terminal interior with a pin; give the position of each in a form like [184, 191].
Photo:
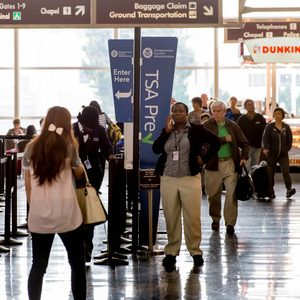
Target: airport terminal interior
[220, 53]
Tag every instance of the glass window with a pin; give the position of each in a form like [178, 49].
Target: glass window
[191, 48]
[7, 48]
[6, 93]
[6, 73]
[64, 47]
[228, 52]
[41, 89]
[235, 82]
[288, 92]
[285, 79]
[257, 80]
[297, 79]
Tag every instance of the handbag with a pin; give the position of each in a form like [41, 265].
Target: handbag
[244, 188]
[92, 209]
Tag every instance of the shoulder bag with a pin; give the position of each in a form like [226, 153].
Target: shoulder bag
[92, 209]
[244, 187]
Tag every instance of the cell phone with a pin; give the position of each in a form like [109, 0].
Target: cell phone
[171, 121]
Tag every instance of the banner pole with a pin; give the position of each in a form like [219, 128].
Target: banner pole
[136, 141]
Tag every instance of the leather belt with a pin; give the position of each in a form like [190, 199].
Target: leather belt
[224, 158]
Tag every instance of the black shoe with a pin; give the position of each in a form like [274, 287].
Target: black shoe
[230, 229]
[271, 197]
[290, 193]
[198, 260]
[169, 262]
[215, 226]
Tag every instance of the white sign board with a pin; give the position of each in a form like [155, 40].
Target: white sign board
[274, 50]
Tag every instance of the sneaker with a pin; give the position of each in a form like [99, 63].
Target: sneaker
[215, 226]
[198, 260]
[169, 262]
[290, 193]
[230, 229]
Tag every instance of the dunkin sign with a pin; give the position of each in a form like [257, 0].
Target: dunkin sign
[274, 50]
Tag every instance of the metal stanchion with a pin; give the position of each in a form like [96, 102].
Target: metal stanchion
[8, 241]
[150, 224]
[14, 201]
[111, 257]
[2, 173]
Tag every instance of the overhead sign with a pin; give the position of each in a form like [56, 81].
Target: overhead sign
[27, 12]
[121, 65]
[263, 30]
[275, 50]
[159, 12]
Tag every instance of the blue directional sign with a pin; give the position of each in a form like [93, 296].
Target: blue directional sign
[157, 73]
[121, 57]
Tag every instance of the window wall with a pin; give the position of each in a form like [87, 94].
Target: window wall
[70, 67]
[6, 77]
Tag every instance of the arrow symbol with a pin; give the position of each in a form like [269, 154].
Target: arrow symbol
[209, 11]
[80, 9]
[123, 95]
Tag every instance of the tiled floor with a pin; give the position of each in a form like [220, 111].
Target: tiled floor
[261, 261]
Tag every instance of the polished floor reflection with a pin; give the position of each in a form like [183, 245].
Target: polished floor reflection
[261, 261]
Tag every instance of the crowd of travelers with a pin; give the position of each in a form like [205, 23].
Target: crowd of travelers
[200, 152]
[238, 140]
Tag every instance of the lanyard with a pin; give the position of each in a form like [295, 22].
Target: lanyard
[177, 143]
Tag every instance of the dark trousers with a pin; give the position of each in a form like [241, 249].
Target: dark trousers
[102, 164]
[283, 161]
[41, 247]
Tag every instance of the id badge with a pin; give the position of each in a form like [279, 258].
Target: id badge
[175, 155]
[87, 164]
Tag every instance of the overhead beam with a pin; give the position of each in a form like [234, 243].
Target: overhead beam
[248, 9]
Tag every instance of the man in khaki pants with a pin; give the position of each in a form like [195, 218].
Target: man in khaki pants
[223, 167]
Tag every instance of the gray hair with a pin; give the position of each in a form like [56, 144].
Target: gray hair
[218, 103]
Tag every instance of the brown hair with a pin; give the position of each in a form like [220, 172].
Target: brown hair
[49, 149]
[16, 121]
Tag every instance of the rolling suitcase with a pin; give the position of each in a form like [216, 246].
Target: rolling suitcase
[260, 179]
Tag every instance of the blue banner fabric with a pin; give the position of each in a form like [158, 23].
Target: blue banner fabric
[121, 58]
[157, 73]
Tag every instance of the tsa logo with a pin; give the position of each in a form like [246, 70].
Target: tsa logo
[114, 53]
[147, 52]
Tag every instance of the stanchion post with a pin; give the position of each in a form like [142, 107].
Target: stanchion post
[7, 240]
[14, 199]
[150, 218]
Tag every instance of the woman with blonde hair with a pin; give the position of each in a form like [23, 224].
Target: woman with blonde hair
[49, 161]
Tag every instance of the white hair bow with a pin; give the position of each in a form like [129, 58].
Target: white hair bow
[58, 130]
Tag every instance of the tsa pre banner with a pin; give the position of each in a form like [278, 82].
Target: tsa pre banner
[158, 65]
[157, 72]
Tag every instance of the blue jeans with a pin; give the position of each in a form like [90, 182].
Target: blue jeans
[41, 247]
